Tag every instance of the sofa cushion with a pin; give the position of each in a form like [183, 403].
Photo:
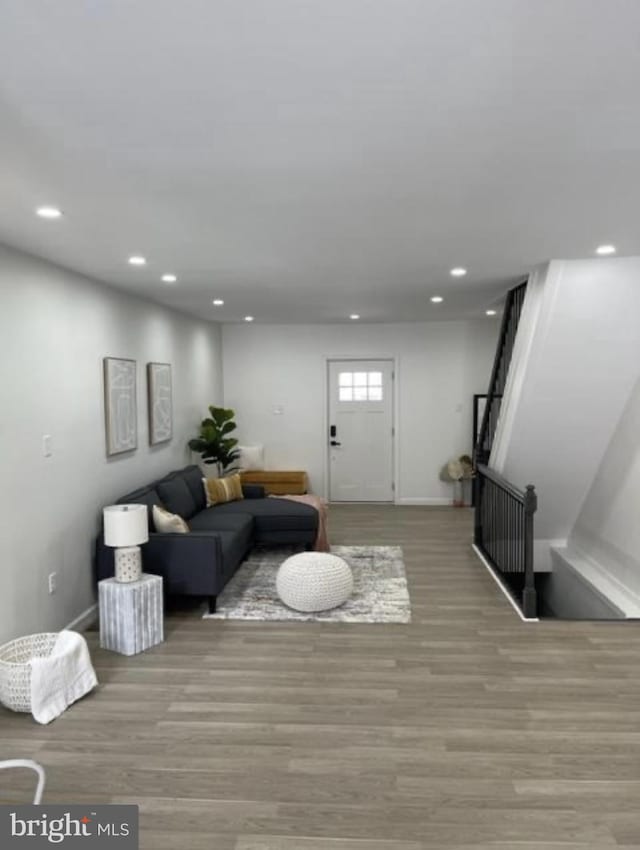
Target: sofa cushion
[253, 491]
[271, 515]
[193, 479]
[211, 519]
[176, 496]
[143, 496]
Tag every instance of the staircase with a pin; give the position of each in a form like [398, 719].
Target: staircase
[564, 410]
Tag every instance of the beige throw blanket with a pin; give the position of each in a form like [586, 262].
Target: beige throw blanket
[322, 540]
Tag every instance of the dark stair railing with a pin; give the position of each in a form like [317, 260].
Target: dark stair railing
[506, 341]
[503, 532]
[503, 523]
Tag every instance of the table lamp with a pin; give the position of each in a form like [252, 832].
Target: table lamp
[125, 528]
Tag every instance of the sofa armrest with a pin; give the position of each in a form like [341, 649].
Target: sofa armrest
[253, 491]
[189, 564]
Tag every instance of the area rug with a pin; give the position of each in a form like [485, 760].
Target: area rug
[380, 593]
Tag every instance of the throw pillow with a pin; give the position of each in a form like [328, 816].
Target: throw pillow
[220, 490]
[251, 457]
[166, 523]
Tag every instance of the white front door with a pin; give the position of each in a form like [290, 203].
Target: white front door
[360, 430]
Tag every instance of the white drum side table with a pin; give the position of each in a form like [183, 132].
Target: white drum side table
[131, 614]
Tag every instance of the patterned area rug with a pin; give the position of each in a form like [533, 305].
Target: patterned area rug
[380, 593]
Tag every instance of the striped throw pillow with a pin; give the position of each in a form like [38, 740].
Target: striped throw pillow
[220, 490]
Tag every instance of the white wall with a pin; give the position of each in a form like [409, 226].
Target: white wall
[608, 527]
[581, 365]
[439, 367]
[55, 328]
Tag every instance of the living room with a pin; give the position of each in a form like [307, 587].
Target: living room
[58, 393]
[250, 194]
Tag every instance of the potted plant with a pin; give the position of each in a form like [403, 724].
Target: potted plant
[458, 470]
[214, 443]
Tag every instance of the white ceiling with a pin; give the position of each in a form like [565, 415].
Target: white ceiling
[305, 159]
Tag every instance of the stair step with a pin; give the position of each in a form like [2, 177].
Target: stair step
[584, 589]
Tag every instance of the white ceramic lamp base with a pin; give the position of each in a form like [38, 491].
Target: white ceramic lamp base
[128, 563]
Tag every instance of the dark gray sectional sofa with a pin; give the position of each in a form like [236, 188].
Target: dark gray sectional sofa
[201, 562]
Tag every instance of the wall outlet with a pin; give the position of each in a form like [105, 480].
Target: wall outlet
[53, 582]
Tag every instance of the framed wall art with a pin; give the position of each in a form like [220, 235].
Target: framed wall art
[159, 402]
[120, 407]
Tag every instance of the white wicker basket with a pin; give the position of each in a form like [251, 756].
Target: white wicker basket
[15, 668]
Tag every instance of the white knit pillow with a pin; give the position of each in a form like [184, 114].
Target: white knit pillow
[167, 523]
[251, 457]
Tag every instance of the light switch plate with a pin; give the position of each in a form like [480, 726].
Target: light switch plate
[47, 445]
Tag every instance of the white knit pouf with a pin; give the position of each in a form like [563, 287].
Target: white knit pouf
[314, 581]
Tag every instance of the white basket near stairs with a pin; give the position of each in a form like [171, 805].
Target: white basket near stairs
[15, 668]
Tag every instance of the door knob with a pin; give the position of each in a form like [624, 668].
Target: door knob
[335, 443]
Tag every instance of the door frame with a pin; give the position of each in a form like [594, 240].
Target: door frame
[395, 413]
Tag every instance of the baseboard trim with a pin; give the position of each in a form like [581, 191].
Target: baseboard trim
[86, 619]
[502, 586]
[420, 501]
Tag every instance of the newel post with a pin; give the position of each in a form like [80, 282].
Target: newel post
[529, 596]
[477, 504]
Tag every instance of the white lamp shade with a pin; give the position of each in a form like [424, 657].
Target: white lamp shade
[125, 525]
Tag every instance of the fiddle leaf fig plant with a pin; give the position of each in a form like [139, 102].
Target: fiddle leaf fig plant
[214, 443]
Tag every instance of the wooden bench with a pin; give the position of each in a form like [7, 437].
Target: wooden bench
[291, 482]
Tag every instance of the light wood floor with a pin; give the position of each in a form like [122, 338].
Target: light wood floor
[465, 729]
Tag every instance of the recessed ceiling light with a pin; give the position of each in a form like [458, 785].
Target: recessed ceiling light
[437, 299]
[491, 312]
[458, 272]
[49, 212]
[137, 261]
[248, 318]
[169, 278]
[603, 250]
[218, 302]
[354, 316]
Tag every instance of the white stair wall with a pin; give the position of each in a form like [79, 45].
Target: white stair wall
[607, 530]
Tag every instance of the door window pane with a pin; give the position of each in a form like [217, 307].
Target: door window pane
[360, 386]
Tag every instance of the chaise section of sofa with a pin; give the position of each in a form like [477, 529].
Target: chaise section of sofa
[201, 562]
[276, 521]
